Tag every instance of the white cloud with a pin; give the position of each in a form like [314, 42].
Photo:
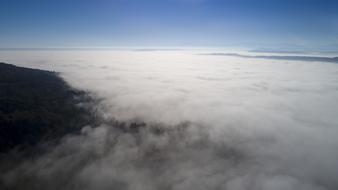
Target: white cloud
[251, 124]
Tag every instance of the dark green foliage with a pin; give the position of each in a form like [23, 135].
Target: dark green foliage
[37, 105]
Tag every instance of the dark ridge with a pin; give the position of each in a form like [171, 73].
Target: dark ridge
[36, 106]
[276, 51]
[291, 51]
[277, 57]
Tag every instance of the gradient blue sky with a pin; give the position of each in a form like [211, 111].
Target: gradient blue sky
[101, 23]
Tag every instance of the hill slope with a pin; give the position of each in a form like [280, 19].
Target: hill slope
[37, 105]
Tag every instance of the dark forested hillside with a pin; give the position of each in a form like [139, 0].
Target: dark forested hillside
[37, 105]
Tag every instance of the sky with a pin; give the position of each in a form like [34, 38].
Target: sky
[302, 24]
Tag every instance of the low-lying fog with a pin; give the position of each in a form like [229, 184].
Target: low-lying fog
[228, 122]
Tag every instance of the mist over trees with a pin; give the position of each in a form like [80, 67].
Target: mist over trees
[37, 105]
[175, 120]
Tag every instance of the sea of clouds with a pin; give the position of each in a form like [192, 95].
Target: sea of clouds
[213, 122]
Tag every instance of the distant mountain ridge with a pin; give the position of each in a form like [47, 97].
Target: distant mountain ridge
[279, 57]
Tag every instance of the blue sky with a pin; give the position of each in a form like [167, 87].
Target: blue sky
[234, 23]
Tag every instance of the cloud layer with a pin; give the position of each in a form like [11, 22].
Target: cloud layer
[212, 122]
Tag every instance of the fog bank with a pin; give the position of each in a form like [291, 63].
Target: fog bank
[211, 122]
